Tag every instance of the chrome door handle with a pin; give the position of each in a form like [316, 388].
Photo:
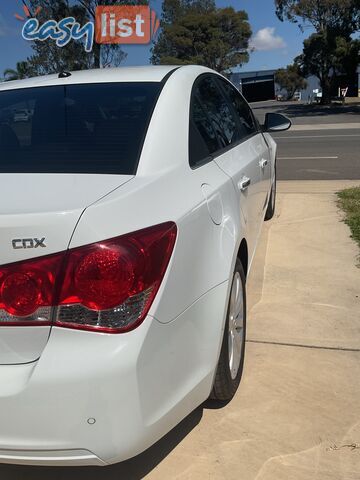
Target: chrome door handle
[263, 162]
[244, 183]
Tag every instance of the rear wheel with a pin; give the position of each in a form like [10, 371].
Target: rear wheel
[231, 361]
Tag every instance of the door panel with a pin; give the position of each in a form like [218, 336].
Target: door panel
[257, 161]
[241, 163]
[222, 127]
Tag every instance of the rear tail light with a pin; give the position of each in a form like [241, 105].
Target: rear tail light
[107, 286]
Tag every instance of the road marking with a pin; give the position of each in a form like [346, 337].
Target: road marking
[315, 136]
[306, 158]
[325, 126]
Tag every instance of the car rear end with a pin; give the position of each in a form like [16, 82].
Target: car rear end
[107, 341]
[62, 309]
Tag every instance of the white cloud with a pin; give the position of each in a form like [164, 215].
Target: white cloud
[265, 40]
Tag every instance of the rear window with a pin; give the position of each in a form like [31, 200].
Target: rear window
[94, 128]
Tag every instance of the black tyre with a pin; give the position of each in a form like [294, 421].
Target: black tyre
[231, 361]
[272, 202]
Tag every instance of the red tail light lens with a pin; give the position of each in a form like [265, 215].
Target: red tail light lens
[108, 286]
[21, 294]
[103, 278]
[27, 290]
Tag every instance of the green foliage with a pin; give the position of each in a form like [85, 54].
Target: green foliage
[347, 55]
[199, 33]
[21, 71]
[349, 201]
[173, 10]
[290, 79]
[336, 15]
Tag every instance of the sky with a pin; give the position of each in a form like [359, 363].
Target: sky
[275, 43]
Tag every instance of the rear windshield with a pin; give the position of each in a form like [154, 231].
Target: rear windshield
[95, 128]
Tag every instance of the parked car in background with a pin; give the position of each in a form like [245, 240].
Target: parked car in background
[124, 260]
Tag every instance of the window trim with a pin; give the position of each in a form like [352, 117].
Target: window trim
[221, 150]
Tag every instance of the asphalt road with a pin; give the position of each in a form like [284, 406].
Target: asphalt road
[313, 151]
[304, 114]
[318, 155]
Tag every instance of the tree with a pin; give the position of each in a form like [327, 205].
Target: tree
[327, 58]
[335, 15]
[330, 50]
[173, 10]
[21, 71]
[196, 32]
[290, 79]
[347, 55]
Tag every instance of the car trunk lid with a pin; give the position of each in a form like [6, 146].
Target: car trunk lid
[38, 215]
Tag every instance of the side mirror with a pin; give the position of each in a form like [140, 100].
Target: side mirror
[276, 122]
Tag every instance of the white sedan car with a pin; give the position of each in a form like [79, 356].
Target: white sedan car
[131, 207]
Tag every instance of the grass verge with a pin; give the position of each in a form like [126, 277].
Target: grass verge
[349, 201]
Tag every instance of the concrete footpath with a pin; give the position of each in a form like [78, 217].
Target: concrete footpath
[296, 415]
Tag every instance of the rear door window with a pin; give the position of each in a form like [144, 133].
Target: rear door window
[218, 110]
[213, 123]
[246, 121]
[90, 128]
[202, 138]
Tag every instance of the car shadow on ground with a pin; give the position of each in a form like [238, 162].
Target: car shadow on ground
[134, 469]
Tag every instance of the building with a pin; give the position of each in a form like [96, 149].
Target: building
[255, 86]
[259, 86]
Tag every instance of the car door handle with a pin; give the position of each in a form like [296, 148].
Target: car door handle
[263, 162]
[244, 183]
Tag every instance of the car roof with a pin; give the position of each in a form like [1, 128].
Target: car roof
[100, 75]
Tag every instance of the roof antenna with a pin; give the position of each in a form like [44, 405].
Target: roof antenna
[64, 74]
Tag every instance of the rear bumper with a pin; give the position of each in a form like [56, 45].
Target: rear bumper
[97, 399]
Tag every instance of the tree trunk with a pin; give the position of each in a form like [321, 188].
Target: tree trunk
[326, 90]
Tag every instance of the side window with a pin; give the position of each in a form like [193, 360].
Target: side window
[246, 120]
[202, 138]
[218, 110]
